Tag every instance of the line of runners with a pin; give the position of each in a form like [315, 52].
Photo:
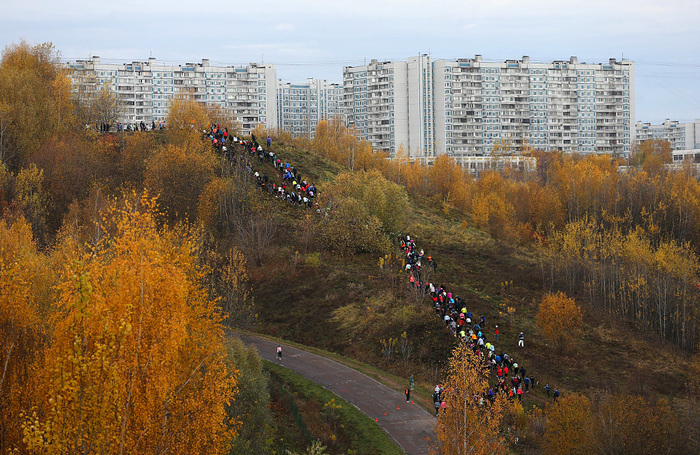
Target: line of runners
[292, 187]
[511, 377]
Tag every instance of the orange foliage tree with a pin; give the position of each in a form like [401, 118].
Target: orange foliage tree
[569, 427]
[470, 425]
[137, 364]
[630, 424]
[559, 319]
[651, 153]
[25, 281]
[179, 174]
[35, 100]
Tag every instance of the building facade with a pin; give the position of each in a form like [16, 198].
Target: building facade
[375, 99]
[470, 107]
[146, 89]
[681, 136]
[301, 106]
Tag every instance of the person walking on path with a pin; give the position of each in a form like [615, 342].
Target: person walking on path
[279, 352]
[408, 394]
[521, 340]
[436, 400]
[547, 389]
[556, 394]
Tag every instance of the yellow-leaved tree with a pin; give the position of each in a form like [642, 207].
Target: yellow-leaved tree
[471, 423]
[186, 121]
[559, 319]
[25, 282]
[35, 100]
[137, 363]
[569, 427]
[179, 175]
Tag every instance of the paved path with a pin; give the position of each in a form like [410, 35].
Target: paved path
[409, 425]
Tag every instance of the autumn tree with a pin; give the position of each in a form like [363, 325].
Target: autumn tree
[179, 174]
[471, 423]
[31, 198]
[137, 363]
[630, 424]
[491, 208]
[349, 228]
[35, 100]
[72, 164]
[569, 427]
[134, 152]
[447, 180]
[228, 199]
[25, 281]
[186, 120]
[559, 319]
[227, 278]
[386, 201]
[651, 153]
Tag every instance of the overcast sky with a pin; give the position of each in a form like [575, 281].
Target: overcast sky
[316, 38]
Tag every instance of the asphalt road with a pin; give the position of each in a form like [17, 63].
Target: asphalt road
[409, 425]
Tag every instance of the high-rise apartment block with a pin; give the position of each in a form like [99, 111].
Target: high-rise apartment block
[681, 136]
[471, 107]
[370, 106]
[302, 106]
[465, 107]
[146, 89]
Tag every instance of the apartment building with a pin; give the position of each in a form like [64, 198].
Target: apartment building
[471, 107]
[301, 106]
[375, 100]
[681, 136]
[146, 89]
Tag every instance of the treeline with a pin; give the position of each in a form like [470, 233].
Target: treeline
[112, 299]
[604, 422]
[624, 241]
[111, 348]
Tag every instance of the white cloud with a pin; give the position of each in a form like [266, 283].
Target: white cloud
[286, 27]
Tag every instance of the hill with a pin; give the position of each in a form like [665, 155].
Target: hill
[179, 231]
[308, 294]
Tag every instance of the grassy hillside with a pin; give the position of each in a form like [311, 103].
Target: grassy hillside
[300, 288]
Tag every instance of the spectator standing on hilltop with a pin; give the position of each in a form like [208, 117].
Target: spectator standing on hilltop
[521, 340]
[497, 333]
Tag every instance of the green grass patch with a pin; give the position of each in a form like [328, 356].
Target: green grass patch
[359, 432]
